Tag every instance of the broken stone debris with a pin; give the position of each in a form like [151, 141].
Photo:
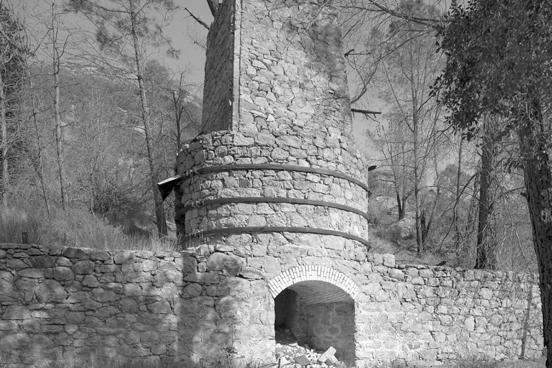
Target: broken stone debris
[294, 355]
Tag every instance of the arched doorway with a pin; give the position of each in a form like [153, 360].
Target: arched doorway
[313, 309]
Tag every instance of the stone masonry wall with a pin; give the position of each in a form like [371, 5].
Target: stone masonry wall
[435, 314]
[79, 306]
[291, 110]
[214, 303]
[227, 149]
[219, 72]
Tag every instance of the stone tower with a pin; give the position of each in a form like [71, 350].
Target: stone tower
[273, 185]
[275, 165]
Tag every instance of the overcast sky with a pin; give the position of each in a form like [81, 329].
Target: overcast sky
[183, 31]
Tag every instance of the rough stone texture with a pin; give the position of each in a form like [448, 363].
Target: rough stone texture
[123, 306]
[290, 107]
[173, 307]
[218, 94]
[275, 93]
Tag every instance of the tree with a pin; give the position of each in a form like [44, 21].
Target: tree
[408, 71]
[369, 50]
[57, 53]
[13, 53]
[123, 29]
[498, 63]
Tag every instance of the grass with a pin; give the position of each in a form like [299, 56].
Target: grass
[72, 228]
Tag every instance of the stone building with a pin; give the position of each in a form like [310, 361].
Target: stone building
[272, 203]
[275, 181]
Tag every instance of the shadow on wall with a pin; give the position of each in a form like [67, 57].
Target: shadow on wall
[68, 307]
[314, 31]
[65, 307]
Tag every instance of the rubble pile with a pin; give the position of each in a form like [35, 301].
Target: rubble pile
[296, 356]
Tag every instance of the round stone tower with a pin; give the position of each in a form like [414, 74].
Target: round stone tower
[274, 171]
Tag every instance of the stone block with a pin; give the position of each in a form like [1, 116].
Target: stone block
[100, 255]
[75, 253]
[229, 264]
[31, 273]
[42, 261]
[102, 295]
[469, 323]
[132, 290]
[16, 312]
[63, 274]
[389, 260]
[90, 281]
[83, 267]
[50, 291]
[330, 352]
[160, 307]
[396, 274]
[128, 305]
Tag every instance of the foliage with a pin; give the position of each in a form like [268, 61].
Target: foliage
[499, 63]
[13, 56]
[498, 53]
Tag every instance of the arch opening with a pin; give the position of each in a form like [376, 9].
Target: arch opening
[316, 314]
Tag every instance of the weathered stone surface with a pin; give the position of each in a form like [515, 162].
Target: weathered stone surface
[63, 273]
[396, 274]
[90, 281]
[42, 261]
[32, 273]
[50, 291]
[198, 306]
[192, 290]
[83, 267]
[16, 312]
[221, 262]
[161, 307]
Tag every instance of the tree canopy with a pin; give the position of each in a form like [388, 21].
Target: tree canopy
[498, 54]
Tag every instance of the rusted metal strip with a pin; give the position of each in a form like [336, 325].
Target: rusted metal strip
[275, 229]
[275, 167]
[310, 202]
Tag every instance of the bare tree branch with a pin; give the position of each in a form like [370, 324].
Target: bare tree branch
[197, 19]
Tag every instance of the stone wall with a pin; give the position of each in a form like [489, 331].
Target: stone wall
[218, 94]
[332, 324]
[291, 127]
[330, 202]
[81, 306]
[214, 303]
[435, 314]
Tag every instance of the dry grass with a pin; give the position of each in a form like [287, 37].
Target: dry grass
[72, 228]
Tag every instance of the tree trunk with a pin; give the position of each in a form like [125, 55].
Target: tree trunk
[40, 169]
[400, 207]
[455, 218]
[177, 119]
[5, 164]
[57, 115]
[419, 239]
[538, 184]
[486, 242]
[158, 201]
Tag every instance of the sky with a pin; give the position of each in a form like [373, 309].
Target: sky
[186, 35]
[184, 32]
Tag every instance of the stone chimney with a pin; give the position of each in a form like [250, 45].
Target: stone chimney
[275, 167]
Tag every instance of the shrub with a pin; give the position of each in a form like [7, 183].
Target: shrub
[73, 228]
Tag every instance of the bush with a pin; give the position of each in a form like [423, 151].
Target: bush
[72, 228]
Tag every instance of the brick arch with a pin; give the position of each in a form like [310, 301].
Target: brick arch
[312, 273]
